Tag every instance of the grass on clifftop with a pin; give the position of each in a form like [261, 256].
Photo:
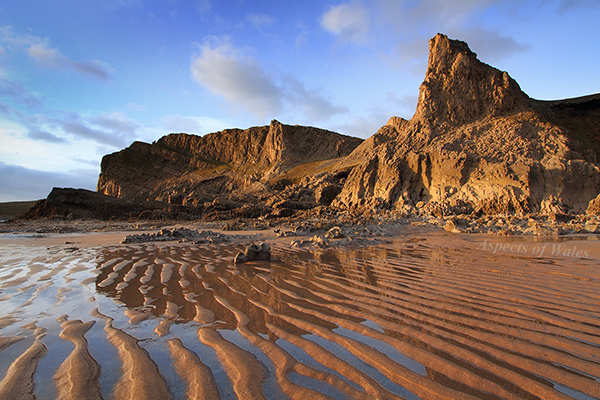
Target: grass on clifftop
[15, 208]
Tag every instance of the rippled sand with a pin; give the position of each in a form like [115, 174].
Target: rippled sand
[425, 315]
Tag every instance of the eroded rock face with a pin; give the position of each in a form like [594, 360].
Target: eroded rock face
[187, 169]
[476, 144]
[68, 203]
[460, 89]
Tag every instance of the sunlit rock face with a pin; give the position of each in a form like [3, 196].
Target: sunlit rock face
[478, 144]
[182, 167]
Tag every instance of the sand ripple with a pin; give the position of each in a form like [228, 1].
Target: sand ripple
[410, 319]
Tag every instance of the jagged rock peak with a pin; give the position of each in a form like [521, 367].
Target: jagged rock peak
[459, 89]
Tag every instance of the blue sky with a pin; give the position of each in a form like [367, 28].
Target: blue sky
[80, 79]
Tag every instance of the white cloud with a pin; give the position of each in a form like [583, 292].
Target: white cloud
[351, 22]
[117, 122]
[38, 134]
[114, 129]
[240, 79]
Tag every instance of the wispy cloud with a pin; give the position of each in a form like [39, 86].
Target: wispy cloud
[19, 94]
[351, 22]
[240, 79]
[52, 57]
[399, 29]
[203, 6]
[311, 102]
[40, 50]
[489, 45]
[116, 122]
[36, 133]
[198, 125]
[11, 40]
[259, 21]
[229, 72]
[114, 130]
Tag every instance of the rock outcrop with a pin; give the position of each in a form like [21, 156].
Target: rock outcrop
[188, 169]
[478, 144]
[70, 204]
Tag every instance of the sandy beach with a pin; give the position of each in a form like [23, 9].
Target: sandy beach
[417, 314]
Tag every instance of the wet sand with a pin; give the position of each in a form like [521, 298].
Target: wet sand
[424, 314]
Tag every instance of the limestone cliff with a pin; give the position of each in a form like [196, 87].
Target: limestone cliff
[477, 143]
[189, 169]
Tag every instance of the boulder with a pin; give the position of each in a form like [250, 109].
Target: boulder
[254, 252]
[594, 206]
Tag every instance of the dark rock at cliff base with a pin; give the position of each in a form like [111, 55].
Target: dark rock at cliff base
[69, 204]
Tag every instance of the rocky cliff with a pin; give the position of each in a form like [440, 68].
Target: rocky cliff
[478, 144]
[189, 169]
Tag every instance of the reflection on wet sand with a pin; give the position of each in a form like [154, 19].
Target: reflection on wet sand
[406, 319]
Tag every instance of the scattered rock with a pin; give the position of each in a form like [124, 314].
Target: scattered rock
[254, 252]
[450, 227]
[182, 235]
[316, 241]
[335, 233]
[284, 233]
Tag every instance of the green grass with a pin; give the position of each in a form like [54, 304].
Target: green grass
[15, 208]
